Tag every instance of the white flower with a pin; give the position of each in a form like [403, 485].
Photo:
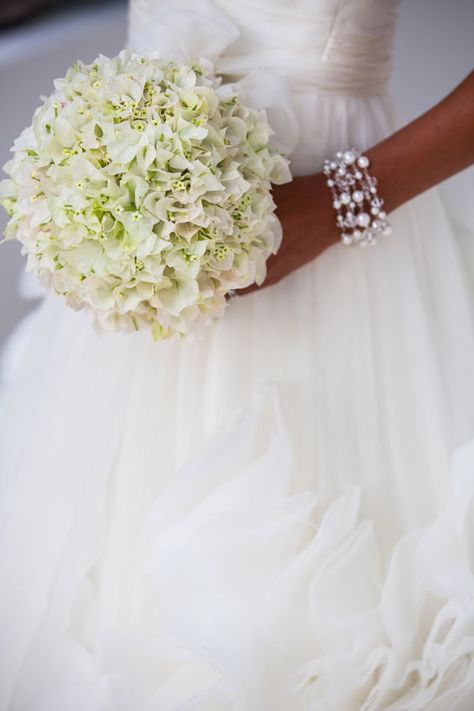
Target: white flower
[142, 192]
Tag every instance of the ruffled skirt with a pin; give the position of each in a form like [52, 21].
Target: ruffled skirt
[279, 515]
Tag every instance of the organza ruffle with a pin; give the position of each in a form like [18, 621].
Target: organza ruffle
[243, 594]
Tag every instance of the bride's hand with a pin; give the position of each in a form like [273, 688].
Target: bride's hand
[428, 150]
[307, 216]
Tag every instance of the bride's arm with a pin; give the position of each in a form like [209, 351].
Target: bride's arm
[426, 151]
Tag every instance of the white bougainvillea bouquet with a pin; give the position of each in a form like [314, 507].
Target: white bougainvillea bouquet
[142, 192]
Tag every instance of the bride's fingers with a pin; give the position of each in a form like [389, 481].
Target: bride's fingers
[247, 290]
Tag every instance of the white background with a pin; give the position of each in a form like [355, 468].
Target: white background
[433, 53]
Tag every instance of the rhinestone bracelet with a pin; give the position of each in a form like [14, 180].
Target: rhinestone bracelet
[360, 216]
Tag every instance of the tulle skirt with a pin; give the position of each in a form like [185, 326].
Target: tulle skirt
[279, 515]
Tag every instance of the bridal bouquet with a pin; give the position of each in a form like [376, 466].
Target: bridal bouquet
[142, 192]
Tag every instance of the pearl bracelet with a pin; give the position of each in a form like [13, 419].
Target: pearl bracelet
[360, 216]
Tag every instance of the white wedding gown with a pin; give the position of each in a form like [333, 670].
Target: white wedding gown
[280, 515]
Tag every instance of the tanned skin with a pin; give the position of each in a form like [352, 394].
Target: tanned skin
[423, 153]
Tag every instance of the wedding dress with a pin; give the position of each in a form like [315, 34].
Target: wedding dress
[279, 515]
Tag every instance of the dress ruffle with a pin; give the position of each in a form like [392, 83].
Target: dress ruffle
[248, 595]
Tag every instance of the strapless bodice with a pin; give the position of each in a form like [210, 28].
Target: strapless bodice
[313, 65]
[343, 46]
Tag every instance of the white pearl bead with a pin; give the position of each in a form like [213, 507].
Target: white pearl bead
[352, 188]
[363, 219]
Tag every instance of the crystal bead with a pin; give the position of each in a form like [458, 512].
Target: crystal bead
[363, 219]
[363, 162]
[360, 217]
